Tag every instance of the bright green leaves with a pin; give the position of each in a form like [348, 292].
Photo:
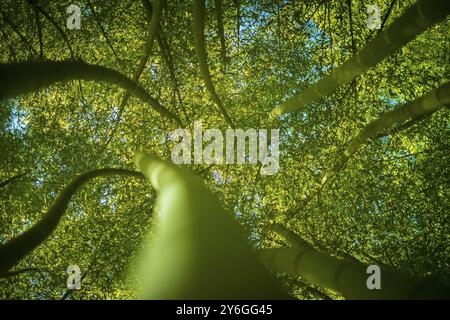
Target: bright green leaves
[418, 18]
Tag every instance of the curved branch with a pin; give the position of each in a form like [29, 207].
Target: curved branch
[386, 17]
[16, 30]
[167, 56]
[39, 29]
[17, 248]
[154, 11]
[11, 49]
[220, 31]
[238, 22]
[350, 17]
[198, 15]
[154, 16]
[24, 77]
[21, 271]
[404, 116]
[35, 6]
[105, 35]
[12, 179]
[426, 105]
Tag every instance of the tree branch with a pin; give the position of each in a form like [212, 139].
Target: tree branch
[220, 31]
[17, 248]
[16, 30]
[348, 277]
[419, 17]
[198, 14]
[105, 35]
[35, 6]
[12, 179]
[411, 111]
[154, 17]
[24, 77]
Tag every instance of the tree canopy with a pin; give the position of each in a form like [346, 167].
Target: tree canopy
[364, 135]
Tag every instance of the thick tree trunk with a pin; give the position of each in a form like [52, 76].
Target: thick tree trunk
[346, 277]
[417, 19]
[198, 251]
[17, 248]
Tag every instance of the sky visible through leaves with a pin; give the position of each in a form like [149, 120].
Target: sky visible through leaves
[388, 205]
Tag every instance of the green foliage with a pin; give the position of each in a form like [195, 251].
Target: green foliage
[390, 203]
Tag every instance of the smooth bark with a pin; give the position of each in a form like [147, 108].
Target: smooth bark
[348, 277]
[198, 25]
[198, 251]
[401, 116]
[416, 19]
[25, 77]
[17, 248]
